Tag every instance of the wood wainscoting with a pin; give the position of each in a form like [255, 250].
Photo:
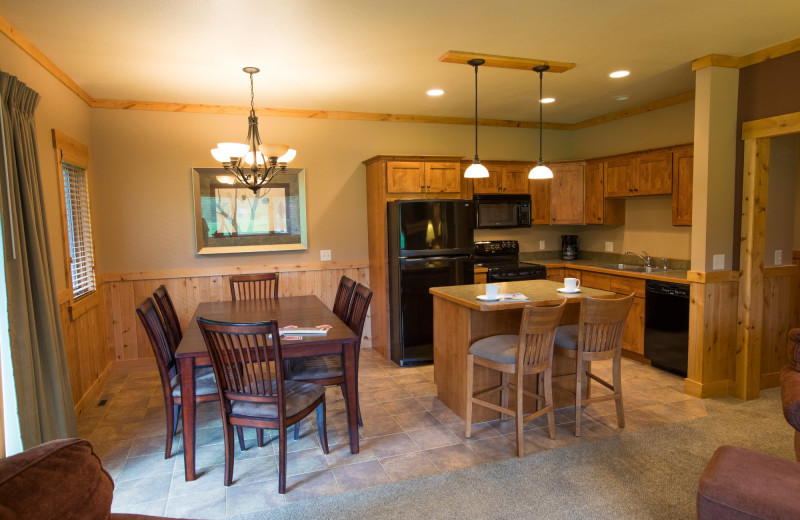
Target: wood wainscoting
[780, 303]
[712, 333]
[84, 327]
[124, 291]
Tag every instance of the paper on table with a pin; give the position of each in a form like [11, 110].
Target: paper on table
[514, 296]
[294, 330]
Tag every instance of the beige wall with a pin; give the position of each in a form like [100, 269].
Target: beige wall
[143, 161]
[783, 170]
[58, 108]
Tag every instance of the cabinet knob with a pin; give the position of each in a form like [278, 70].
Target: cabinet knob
[599, 219]
[630, 190]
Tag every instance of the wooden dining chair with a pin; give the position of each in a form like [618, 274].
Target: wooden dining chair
[254, 286]
[328, 370]
[170, 317]
[344, 297]
[253, 391]
[597, 336]
[206, 387]
[529, 352]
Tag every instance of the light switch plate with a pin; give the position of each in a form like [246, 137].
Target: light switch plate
[719, 262]
[325, 255]
[778, 257]
[609, 247]
[541, 245]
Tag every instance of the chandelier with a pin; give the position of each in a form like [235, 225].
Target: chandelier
[252, 163]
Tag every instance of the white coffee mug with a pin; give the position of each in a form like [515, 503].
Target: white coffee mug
[572, 284]
[492, 290]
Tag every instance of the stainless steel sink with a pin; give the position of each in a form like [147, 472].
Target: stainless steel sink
[634, 268]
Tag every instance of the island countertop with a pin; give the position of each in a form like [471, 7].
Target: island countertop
[539, 292]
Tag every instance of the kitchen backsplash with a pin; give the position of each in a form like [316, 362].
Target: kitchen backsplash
[605, 258]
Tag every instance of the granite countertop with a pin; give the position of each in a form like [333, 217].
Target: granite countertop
[591, 260]
[540, 292]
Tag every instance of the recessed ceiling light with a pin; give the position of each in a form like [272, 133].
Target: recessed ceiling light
[435, 92]
[619, 74]
[548, 99]
[623, 97]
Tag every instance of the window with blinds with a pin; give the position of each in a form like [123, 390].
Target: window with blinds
[79, 230]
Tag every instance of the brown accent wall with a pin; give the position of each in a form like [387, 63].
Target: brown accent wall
[766, 89]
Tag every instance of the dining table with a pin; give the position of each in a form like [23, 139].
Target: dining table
[301, 311]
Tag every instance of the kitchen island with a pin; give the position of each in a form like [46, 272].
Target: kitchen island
[460, 319]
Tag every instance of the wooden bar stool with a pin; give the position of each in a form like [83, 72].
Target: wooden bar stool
[597, 336]
[530, 352]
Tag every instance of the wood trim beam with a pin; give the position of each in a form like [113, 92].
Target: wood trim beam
[229, 270]
[771, 126]
[751, 286]
[72, 151]
[504, 62]
[38, 56]
[712, 276]
[739, 62]
[635, 111]
[779, 271]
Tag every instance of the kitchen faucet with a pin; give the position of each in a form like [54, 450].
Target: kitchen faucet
[646, 258]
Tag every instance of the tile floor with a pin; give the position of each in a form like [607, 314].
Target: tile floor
[407, 433]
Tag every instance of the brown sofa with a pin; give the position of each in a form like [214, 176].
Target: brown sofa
[743, 484]
[60, 479]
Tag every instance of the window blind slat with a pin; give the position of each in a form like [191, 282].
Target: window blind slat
[79, 230]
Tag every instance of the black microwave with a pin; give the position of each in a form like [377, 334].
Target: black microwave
[502, 211]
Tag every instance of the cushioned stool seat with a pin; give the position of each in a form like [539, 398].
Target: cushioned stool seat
[501, 348]
[741, 484]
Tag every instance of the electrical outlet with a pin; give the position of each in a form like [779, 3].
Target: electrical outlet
[778, 257]
[541, 245]
[609, 247]
[719, 262]
[325, 255]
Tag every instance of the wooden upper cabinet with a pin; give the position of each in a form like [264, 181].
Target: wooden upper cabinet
[422, 177]
[405, 177]
[540, 201]
[442, 177]
[620, 175]
[566, 193]
[503, 178]
[490, 184]
[682, 178]
[654, 174]
[515, 178]
[598, 209]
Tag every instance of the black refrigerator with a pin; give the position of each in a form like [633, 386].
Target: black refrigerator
[430, 245]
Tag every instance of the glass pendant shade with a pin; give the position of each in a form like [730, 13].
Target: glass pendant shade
[287, 157]
[540, 171]
[476, 171]
[248, 159]
[273, 150]
[232, 150]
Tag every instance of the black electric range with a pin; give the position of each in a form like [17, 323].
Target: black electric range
[501, 258]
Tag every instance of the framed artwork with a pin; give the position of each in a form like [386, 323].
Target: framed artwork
[230, 218]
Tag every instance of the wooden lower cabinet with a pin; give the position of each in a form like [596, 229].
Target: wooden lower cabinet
[479, 275]
[633, 336]
[555, 274]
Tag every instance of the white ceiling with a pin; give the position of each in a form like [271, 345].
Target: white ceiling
[381, 56]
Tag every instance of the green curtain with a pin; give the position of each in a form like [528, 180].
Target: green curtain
[41, 376]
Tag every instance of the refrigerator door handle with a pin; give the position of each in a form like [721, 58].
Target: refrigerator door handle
[430, 258]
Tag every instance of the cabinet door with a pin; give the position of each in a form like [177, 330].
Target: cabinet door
[633, 335]
[593, 193]
[515, 179]
[555, 274]
[682, 176]
[490, 184]
[442, 177]
[566, 193]
[540, 201]
[654, 174]
[405, 177]
[620, 177]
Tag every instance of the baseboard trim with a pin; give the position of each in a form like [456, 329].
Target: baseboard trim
[92, 395]
[703, 390]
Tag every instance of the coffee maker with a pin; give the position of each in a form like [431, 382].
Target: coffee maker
[569, 247]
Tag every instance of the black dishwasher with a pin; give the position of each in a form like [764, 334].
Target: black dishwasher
[666, 326]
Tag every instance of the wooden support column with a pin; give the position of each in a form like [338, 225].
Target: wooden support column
[751, 268]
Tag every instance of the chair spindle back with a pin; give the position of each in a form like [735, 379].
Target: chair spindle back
[602, 322]
[171, 321]
[537, 333]
[254, 286]
[344, 297]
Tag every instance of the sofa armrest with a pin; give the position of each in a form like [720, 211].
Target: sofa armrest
[790, 382]
[57, 479]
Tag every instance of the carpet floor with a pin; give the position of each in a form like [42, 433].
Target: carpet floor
[649, 474]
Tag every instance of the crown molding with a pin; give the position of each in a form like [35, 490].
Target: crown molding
[739, 62]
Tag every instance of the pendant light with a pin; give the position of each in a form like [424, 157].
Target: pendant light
[476, 170]
[540, 171]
